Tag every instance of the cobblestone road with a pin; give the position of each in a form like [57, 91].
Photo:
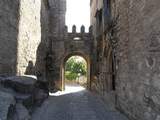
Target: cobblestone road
[75, 103]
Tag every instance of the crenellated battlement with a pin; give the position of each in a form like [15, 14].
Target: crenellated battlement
[82, 30]
[78, 36]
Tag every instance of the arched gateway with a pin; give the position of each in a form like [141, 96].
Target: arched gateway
[85, 57]
[70, 44]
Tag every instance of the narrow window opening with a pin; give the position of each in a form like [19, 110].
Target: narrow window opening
[76, 38]
[113, 73]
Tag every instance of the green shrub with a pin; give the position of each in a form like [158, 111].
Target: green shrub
[70, 75]
[74, 68]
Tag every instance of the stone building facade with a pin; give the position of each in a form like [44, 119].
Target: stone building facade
[131, 31]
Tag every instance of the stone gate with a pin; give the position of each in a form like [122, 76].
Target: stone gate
[63, 47]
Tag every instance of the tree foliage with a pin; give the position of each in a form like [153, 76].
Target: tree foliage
[75, 68]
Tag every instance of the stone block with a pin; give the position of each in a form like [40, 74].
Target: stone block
[7, 103]
[40, 96]
[21, 113]
[21, 84]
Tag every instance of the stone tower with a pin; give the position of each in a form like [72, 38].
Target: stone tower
[63, 44]
[56, 36]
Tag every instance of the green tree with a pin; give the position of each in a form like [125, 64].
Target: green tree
[73, 68]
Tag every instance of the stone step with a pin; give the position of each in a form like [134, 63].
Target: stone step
[21, 84]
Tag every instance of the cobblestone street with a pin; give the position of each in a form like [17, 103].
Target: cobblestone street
[75, 103]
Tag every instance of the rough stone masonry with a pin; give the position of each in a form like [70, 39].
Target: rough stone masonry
[123, 49]
[132, 34]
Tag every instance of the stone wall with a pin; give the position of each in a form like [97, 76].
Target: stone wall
[135, 60]
[78, 42]
[29, 33]
[102, 77]
[138, 74]
[44, 46]
[9, 20]
[56, 37]
[24, 37]
[94, 6]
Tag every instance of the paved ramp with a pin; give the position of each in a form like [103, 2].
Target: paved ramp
[75, 103]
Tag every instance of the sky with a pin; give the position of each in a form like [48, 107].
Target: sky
[78, 13]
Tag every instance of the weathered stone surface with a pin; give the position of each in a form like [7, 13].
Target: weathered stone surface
[29, 36]
[136, 56]
[26, 90]
[40, 96]
[9, 19]
[21, 113]
[22, 28]
[7, 103]
[138, 72]
[44, 46]
[42, 85]
[103, 72]
[21, 84]
[26, 99]
[1, 79]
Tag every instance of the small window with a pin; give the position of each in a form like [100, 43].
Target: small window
[77, 38]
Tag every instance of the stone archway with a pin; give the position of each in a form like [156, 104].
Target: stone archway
[65, 46]
[66, 57]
